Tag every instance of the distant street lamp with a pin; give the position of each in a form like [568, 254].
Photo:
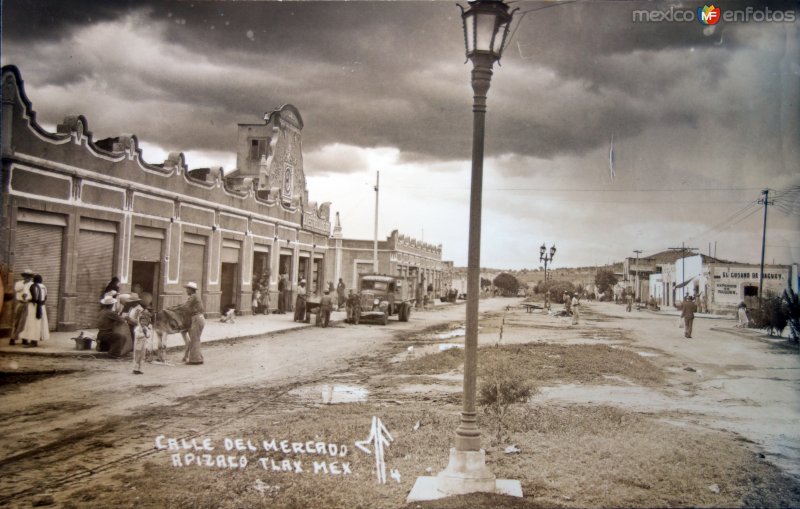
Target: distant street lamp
[486, 25]
[544, 258]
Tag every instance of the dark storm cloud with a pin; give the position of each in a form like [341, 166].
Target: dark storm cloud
[369, 74]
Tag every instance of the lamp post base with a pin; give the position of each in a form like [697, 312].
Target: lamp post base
[466, 473]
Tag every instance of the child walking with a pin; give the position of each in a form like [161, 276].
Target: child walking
[143, 333]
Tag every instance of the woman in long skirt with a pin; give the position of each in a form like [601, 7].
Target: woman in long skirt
[36, 326]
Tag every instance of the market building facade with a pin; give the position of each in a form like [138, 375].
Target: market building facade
[398, 255]
[80, 211]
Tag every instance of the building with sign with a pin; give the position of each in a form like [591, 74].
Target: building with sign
[732, 283]
[718, 286]
[399, 255]
[80, 211]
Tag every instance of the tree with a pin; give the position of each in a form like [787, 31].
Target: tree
[485, 283]
[792, 306]
[507, 283]
[556, 289]
[605, 281]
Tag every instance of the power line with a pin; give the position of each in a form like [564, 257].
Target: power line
[595, 190]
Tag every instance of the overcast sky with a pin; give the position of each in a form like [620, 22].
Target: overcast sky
[702, 117]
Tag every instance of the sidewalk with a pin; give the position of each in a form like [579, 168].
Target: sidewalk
[62, 344]
[677, 312]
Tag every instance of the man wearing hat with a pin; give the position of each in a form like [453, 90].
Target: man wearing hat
[688, 309]
[131, 309]
[300, 303]
[325, 308]
[22, 293]
[194, 316]
[113, 334]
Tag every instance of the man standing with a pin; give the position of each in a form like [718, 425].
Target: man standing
[352, 304]
[22, 294]
[567, 304]
[629, 301]
[340, 294]
[194, 316]
[300, 303]
[687, 313]
[282, 294]
[325, 308]
[576, 308]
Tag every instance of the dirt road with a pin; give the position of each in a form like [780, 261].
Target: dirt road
[91, 420]
[74, 401]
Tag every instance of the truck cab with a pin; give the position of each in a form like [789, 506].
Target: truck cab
[382, 296]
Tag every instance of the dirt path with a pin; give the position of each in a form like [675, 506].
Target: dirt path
[69, 426]
[723, 378]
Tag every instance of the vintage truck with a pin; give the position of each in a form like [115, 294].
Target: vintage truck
[383, 296]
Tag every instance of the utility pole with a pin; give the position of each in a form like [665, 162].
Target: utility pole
[375, 243]
[683, 249]
[766, 202]
[636, 278]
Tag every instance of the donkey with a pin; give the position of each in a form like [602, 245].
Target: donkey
[169, 321]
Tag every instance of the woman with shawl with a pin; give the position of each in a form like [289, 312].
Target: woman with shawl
[36, 326]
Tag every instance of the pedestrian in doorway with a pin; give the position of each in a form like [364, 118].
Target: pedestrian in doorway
[288, 295]
[576, 309]
[256, 304]
[112, 286]
[22, 295]
[282, 282]
[688, 310]
[744, 322]
[300, 303]
[142, 341]
[36, 327]
[193, 313]
[325, 308]
[340, 288]
[263, 300]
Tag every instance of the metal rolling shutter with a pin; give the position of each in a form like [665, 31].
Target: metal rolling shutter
[38, 248]
[230, 251]
[95, 270]
[193, 256]
[146, 246]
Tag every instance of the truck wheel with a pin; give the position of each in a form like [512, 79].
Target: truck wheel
[385, 319]
[405, 312]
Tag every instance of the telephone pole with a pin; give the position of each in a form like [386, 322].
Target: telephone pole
[375, 243]
[636, 277]
[766, 202]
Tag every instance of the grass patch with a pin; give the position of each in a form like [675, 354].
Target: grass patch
[545, 363]
[570, 456]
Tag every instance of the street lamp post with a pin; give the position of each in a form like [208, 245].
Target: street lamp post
[544, 258]
[486, 26]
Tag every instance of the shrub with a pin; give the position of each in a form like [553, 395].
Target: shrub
[771, 315]
[792, 306]
[498, 391]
